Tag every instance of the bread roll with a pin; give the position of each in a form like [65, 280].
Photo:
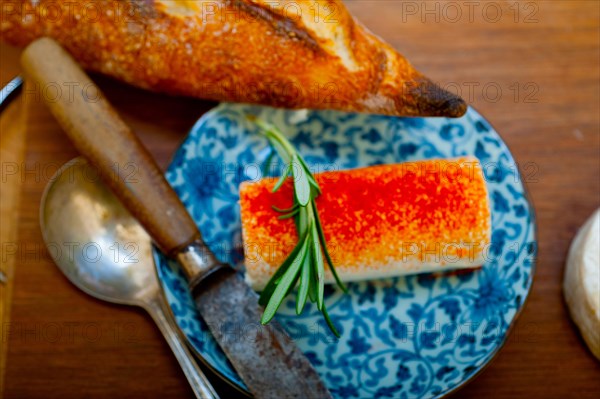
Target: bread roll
[294, 54]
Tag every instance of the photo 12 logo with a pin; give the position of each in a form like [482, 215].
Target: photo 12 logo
[469, 11]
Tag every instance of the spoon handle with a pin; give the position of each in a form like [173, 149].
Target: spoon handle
[195, 376]
[101, 136]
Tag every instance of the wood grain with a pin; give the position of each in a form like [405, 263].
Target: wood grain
[552, 127]
[98, 132]
[12, 147]
[12, 153]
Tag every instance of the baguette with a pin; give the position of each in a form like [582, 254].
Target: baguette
[280, 54]
[380, 221]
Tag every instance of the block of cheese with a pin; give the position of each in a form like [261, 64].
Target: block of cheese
[582, 282]
[379, 221]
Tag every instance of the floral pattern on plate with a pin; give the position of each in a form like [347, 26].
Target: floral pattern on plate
[418, 336]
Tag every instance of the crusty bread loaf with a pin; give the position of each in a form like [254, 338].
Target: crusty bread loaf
[295, 54]
[380, 221]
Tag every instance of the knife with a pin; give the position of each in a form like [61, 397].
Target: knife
[265, 357]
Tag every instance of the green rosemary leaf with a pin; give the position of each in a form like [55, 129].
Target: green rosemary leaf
[326, 251]
[312, 289]
[284, 285]
[283, 147]
[319, 266]
[278, 146]
[304, 283]
[301, 185]
[302, 221]
[271, 285]
[305, 166]
[268, 161]
[286, 210]
[285, 157]
[277, 139]
[311, 178]
[313, 183]
[289, 215]
[282, 179]
[329, 322]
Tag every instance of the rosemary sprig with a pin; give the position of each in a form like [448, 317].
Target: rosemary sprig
[304, 266]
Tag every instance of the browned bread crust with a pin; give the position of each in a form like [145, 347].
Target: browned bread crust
[295, 54]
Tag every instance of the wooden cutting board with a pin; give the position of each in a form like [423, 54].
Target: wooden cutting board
[64, 344]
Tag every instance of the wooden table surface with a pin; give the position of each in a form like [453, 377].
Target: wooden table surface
[534, 73]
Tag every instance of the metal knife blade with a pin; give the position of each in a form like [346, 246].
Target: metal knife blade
[230, 308]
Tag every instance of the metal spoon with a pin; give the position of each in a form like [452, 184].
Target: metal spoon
[103, 250]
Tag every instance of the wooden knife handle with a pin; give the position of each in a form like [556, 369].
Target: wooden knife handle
[101, 136]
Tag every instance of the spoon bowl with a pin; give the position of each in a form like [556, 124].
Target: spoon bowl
[94, 240]
[103, 250]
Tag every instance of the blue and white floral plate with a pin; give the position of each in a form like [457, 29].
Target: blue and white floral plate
[412, 337]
